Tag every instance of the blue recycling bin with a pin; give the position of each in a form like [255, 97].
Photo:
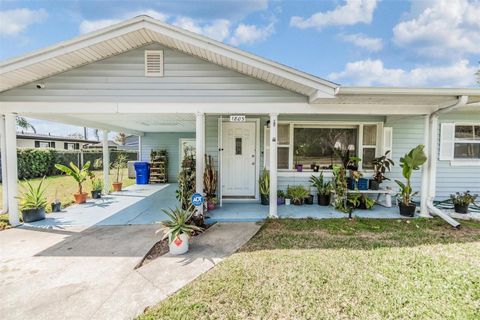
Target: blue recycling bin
[142, 172]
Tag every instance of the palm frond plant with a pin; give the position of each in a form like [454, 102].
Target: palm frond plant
[79, 175]
[324, 189]
[298, 194]
[33, 201]
[178, 229]
[410, 162]
[264, 186]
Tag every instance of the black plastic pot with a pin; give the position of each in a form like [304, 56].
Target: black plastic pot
[264, 200]
[323, 199]
[32, 215]
[316, 168]
[56, 206]
[461, 209]
[407, 210]
[96, 194]
[374, 184]
[309, 199]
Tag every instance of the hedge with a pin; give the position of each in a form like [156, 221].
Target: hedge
[39, 162]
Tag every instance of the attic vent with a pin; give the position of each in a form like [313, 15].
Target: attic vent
[154, 63]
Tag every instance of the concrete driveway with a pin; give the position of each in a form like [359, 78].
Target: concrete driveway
[88, 273]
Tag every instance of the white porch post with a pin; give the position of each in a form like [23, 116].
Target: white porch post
[273, 166]
[106, 162]
[425, 168]
[4, 164]
[199, 155]
[12, 169]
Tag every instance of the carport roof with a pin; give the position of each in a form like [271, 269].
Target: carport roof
[143, 30]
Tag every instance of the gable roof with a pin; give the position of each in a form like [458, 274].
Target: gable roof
[143, 30]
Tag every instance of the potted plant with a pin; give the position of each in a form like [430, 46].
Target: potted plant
[380, 166]
[297, 194]
[341, 202]
[97, 187]
[80, 175]
[316, 168]
[365, 202]
[119, 164]
[298, 153]
[264, 183]
[410, 162]
[56, 204]
[280, 197]
[33, 202]
[461, 202]
[210, 183]
[178, 229]
[324, 189]
[309, 197]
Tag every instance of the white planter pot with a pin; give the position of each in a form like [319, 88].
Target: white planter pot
[179, 245]
[287, 202]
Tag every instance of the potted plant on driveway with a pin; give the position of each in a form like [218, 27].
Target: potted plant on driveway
[461, 201]
[33, 202]
[119, 164]
[80, 175]
[380, 166]
[410, 162]
[324, 189]
[264, 187]
[97, 187]
[178, 229]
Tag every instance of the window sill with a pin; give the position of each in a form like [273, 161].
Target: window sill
[465, 163]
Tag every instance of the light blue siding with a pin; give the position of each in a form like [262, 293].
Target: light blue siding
[450, 178]
[169, 141]
[121, 79]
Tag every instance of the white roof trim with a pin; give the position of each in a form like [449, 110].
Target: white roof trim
[408, 91]
[143, 30]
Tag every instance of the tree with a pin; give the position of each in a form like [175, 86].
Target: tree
[24, 124]
[121, 138]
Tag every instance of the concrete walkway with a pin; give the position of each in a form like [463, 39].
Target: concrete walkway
[88, 274]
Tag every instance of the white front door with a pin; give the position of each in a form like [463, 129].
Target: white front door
[238, 159]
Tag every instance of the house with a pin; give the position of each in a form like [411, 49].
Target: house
[36, 140]
[131, 143]
[174, 88]
[112, 145]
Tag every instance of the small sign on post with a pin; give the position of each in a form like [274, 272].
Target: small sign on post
[238, 118]
[197, 199]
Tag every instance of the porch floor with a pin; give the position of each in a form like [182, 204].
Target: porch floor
[242, 212]
[143, 204]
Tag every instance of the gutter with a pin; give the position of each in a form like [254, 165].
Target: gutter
[432, 162]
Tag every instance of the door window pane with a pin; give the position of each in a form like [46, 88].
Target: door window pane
[370, 135]
[316, 145]
[238, 146]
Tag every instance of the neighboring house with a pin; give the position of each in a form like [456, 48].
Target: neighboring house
[35, 140]
[174, 88]
[131, 143]
[112, 145]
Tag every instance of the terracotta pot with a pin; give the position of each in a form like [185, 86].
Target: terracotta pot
[117, 186]
[80, 197]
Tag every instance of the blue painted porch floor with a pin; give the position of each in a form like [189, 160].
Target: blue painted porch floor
[254, 212]
[143, 204]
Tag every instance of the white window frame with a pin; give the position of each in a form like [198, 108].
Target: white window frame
[463, 161]
[322, 124]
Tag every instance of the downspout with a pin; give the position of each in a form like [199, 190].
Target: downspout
[432, 159]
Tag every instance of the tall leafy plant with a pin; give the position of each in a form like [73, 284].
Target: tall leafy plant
[380, 167]
[341, 190]
[323, 188]
[410, 162]
[179, 223]
[120, 164]
[210, 179]
[264, 183]
[79, 175]
[186, 179]
[33, 197]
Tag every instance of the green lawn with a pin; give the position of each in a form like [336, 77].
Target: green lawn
[340, 269]
[63, 187]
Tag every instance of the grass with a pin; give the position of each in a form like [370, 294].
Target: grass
[340, 269]
[63, 187]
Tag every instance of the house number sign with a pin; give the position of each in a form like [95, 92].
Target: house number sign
[238, 118]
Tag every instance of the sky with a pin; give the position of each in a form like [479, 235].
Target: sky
[350, 42]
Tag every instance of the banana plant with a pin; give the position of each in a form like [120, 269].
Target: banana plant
[80, 175]
[410, 162]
